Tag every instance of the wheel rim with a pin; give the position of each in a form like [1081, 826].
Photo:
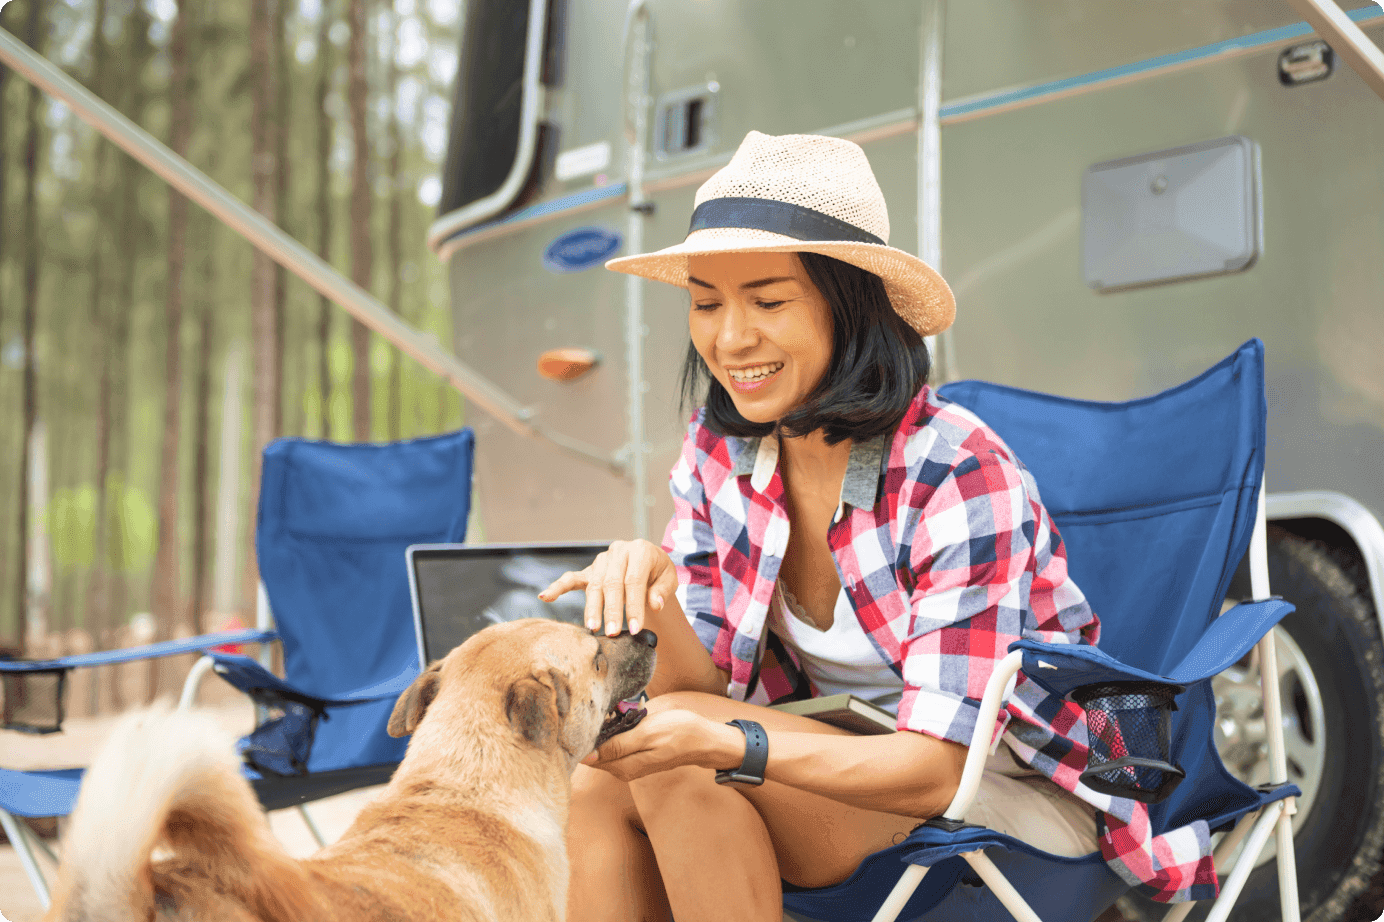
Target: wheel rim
[1242, 734]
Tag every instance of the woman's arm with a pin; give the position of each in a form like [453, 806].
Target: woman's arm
[911, 774]
[907, 773]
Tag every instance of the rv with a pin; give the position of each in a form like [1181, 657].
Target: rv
[1118, 193]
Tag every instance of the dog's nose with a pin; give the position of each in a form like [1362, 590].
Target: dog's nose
[647, 637]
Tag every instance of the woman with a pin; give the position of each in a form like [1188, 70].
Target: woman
[837, 527]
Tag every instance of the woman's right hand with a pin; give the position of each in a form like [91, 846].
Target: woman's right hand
[623, 584]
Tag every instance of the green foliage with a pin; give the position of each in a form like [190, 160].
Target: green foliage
[71, 522]
[102, 246]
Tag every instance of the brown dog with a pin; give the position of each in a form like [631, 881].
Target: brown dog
[471, 827]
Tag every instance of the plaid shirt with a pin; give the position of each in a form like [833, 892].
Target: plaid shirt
[947, 555]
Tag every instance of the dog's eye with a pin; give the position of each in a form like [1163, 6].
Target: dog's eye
[599, 661]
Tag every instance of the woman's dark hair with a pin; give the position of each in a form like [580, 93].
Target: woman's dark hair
[878, 365]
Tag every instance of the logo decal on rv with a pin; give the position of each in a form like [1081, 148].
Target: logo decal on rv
[581, 249]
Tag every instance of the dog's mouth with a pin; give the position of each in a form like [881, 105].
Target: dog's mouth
[625, 715]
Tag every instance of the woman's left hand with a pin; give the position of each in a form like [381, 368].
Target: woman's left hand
[665, 739]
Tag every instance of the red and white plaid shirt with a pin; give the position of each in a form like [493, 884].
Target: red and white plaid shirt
[948, 556]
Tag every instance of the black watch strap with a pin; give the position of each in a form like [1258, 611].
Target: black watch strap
[751, 770]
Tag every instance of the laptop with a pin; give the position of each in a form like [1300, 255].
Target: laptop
[460, 588]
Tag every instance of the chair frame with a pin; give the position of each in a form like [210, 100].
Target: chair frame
[264, 621]
[1257, 826]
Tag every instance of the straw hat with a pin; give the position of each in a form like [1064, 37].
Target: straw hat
[796, 193]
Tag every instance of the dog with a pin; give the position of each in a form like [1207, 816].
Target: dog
[472, 826]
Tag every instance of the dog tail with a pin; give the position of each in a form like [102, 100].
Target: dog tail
[170, 780]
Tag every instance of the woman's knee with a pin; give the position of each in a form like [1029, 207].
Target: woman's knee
[600, 799]
[688, 790]
[701, 703]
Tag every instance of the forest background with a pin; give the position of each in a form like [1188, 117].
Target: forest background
[147, 354]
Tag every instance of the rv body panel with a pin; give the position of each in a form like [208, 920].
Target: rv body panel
[1033, 95]
[1012, 219]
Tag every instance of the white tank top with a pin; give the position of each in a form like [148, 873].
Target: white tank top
[839, 659]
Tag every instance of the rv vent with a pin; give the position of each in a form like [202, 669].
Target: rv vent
[685, 121]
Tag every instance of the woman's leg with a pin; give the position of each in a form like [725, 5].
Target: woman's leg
[722, 851]
[614, 875]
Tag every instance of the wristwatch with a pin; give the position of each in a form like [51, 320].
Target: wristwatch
[751, 770]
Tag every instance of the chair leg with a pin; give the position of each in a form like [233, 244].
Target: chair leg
[15, 831]
[1224, 850]
[36, 840]
[1230, 890]
[1179, 912]
[1273, 721]
[898, 897]
[1233, 839]
[312, 826]
[999, 885]
[1290, 909]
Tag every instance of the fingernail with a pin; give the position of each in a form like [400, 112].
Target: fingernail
[658, 603]
[612, 628]
[634, 627]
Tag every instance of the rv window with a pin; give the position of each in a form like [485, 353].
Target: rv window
[486, 110]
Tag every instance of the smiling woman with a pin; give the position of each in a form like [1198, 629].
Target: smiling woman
[766, 338]
[871, 362]
[838, 528]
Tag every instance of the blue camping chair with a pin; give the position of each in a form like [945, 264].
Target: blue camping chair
[334, 522]
[1157, 501]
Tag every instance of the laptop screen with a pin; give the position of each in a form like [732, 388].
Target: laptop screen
[459, 589]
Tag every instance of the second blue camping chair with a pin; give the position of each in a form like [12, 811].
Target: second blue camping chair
[1157, 501]
[334, 523]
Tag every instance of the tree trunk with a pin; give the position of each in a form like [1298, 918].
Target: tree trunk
[97, 605]
[29, 398]
[324, 212]
[362, 252]
[8, 491]
[132, 56]
[201, 462]
[164, 592]
[395, 238]
[263, 328]
[278, 13]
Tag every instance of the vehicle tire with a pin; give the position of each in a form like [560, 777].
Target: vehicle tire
[1340, 836]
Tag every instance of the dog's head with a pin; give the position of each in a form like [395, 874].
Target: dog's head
[555, 685]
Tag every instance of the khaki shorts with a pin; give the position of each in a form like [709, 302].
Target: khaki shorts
[1020, 802]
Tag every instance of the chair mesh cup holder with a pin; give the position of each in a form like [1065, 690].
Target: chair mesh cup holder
[31, 702]
[281, 745]
[1130, 729]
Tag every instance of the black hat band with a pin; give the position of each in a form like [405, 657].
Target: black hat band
[783, 218]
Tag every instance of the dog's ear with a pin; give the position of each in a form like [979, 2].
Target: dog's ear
[409, 709]
[562, 692]
[537, 705]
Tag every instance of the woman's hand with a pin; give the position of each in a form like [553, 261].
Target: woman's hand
[624, 583]
[669, 738]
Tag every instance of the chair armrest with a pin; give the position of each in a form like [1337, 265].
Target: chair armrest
[1061, 668]
[1229, 638]
[249, 676]
[197, 644]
